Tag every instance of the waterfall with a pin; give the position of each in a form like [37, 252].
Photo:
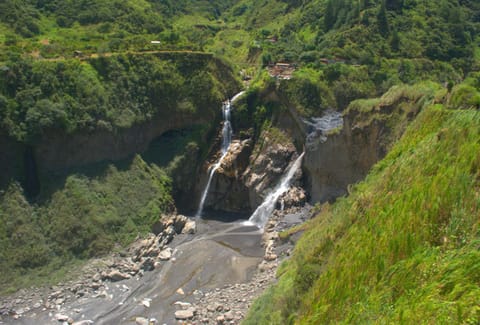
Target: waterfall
[263, 212]
[227, 132]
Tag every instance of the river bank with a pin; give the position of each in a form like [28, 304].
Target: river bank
[211, 277]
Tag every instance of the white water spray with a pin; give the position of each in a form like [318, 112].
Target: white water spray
[227, 132]
[263, 212]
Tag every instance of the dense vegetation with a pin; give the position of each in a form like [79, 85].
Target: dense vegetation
[403, 247]
[79, 215]
[357, 48]
[105, 93]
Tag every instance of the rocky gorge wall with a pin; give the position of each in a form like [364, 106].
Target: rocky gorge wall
[370, 128]
[343, 159]
[333, 160]
[59, 150]
[247, 173]
[11, 158]
[254, 166]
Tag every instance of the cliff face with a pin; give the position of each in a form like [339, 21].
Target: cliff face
[11, 159]
[58, 151]
[342, 159]
[249, 171]
[253, 167]
[167, 101]
[335, 157]
[370, 128]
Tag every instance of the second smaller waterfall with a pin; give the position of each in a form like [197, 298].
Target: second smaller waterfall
[263, 212]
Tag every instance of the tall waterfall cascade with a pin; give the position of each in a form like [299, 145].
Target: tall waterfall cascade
[263, 212]
[227, 132]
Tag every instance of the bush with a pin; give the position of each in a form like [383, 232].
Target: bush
[464, 97]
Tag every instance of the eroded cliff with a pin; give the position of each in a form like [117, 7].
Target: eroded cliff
[370, 128]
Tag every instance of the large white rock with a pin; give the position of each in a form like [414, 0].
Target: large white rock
[185, 314]
[166, 254]
[116, 275]
[141, 321]
[190, 227]
[61, 317]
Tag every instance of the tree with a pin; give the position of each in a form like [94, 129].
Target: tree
[395, 5]
[382, 20]
[329, 19]
[366, 4]
[395, 41]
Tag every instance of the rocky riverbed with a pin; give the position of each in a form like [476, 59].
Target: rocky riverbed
[229, 304]
[169, 277]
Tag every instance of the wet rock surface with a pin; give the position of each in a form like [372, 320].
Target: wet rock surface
[247, 173]
[229, 304]
[145, 254]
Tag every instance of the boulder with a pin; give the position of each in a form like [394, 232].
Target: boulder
[142, 321]
[296, 196]
[185, 314]
[220, 320]
[116, 275]
[61, 317]
[147, 264]
[166, 254]
[229, 315]
[190, 227]
[179, 222]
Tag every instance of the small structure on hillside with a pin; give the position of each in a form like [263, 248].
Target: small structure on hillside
[332, 61]
[281, 70]
[77, 54]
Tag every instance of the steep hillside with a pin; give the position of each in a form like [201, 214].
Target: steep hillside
[403, 247]
[80, 215]
[71, 186]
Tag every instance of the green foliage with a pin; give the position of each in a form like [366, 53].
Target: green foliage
[109, 93]
[329, 19]
[382, 20]
[403, 247]
[84, 216]
[21, 16]
[310, 96]
[464, 97]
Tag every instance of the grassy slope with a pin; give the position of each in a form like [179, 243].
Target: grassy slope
[403, 247]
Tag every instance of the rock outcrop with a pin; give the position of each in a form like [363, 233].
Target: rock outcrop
[248, 172]
[334, 161]
[11, 159]
[341, 160]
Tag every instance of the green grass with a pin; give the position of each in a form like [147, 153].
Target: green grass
[403, 247]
